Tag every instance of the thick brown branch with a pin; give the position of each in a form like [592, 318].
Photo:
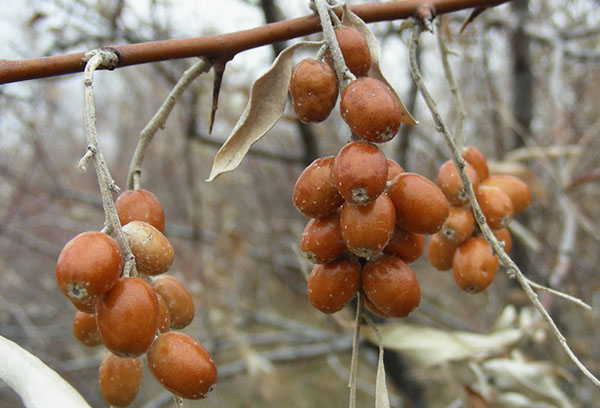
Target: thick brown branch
[223, 46]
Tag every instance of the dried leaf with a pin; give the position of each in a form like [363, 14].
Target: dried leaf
[427, 347]
[266, 104]
[352, 20]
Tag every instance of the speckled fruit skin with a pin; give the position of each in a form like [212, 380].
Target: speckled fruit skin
[449, 181]
[164, 317]
[127, 317]
[496, 206]
[475, 158]
[391, 286]
[314, 90]
[181, 365]
[503, 235]
[371, 307]
[440, 252]
[322, 239]
[371, 110]
[360, 172]
[405, 245]
[314, 193]
[393, 169]
[85, 329]
[140, 205]
[420, 205]
[152, 250]
[331, 286]
[366, 230]
[459, 226]
[88, 266]
[474, 266]
[514, 187]
[355, 50]
[120, 379]
[178, 299]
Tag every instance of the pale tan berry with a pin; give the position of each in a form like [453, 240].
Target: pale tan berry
[152, 250]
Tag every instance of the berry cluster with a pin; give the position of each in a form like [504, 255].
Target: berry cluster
[368, 216]
[127, 313]
[459, 245]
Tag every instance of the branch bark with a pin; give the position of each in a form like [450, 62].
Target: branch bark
[222, 46]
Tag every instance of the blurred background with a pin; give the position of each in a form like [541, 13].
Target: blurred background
[529, 78]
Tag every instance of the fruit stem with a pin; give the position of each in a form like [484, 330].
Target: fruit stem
[505, 260]
[112, 226]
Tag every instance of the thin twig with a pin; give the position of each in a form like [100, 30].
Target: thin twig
[512, 269]
[158, 120]
[563, 295]
[355, 346]
[112, 225]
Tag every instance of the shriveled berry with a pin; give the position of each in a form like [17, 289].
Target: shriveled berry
[85, 329]
[503, 235]
[475, 158]
[391, 285]
[393, 169]
[440, 252]
[451, 184]
[366, 230]
[128, 317]
[314, 193]
[181, 365]
[322, 239]
[140, 205]
[178, 299]
[152, 250]
[360, 172]
[355, 50]
[314, 90]
[420, 205]
[120, 379]
[459, 226]
[331, 286]
[164, 317]
[405, 245]
[371, 110]
[474, 265]
[496, 206]
[88, 266]
[514, 187]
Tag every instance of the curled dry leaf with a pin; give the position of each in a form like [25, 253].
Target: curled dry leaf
[352, 20]
[268, 97]
[428, 347]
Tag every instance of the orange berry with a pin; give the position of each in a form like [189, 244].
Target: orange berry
[140, 205]
[459, 226]
[503, 235]
[495, 205]
[391, 286]
[128, 317]
[164, 317]
[371, 307]
[178, 299]
[322, 239]
[474, 265]
[314, 193]
[440, 252]
[451, 184]
[120, 379]
[85, 329]
[360, 172]
[371, 110]
[514, 187]
[181, 365]
[152, 250]
[420, 205]
[314, 90]
[405, 245]
[331, 286]
[475, 158]
[366, 230]
[354, 49]
[88, 266]
[393, 169]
